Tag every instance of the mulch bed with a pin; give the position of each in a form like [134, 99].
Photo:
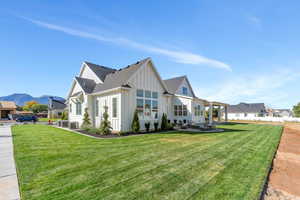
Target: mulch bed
[114, 135]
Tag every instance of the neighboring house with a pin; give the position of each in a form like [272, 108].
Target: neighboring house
[7, 109]
[135, 87]
[55, 108]
[282, 113]
[247, 110]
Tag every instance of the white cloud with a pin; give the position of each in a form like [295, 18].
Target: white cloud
[267, 88]
[177, 56]
[255, 21]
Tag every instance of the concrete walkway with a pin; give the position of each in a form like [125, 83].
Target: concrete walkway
[9, 188]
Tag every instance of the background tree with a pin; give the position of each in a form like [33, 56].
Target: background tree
[37, 108]
[296, 110]
[86, 124]
[28, 105]
[135, 125]
[105, 127]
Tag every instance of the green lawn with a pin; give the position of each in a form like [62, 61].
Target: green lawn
[47, 119]
[57, 164]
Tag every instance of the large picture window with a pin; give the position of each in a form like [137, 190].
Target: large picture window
[180, 110]
[147, 104]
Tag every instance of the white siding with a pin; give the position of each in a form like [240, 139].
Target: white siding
[186, 85]
[145, 79]
[106, 100]
[89, 74]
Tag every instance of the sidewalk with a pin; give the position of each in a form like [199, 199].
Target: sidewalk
[9, 188]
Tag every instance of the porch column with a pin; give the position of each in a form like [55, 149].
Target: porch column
[210, 113]
[226, 114]
[219, 113]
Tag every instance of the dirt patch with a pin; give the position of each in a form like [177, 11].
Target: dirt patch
[284, 181]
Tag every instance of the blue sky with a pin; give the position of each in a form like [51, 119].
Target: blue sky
[231, 50]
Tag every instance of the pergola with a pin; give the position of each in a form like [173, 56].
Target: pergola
[222, 107]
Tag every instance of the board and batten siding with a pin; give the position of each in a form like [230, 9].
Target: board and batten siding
[107, 100]
[145, 79]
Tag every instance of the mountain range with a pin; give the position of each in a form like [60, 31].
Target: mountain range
[21, 99]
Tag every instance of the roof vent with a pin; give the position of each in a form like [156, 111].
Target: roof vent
[137, 62]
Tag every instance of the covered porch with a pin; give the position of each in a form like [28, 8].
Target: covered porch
[221, 110]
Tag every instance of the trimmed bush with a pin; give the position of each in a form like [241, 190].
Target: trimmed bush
[164, 122]
[135, 125]
[86, 124]
[156, 126]
[147, 126]
[105, 127]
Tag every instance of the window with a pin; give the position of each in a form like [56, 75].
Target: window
[198, 111]
[115, 107]
[180, 110]
[140, 93]
[97, 108]
[154, 95]
[147, 104]
[140, 107]
[78, 108]
[154, 109]
[148, 94]
[184, 91]
[147, 112]
[70, 108]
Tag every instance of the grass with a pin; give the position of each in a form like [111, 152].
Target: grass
[47, 119]
[56, 164]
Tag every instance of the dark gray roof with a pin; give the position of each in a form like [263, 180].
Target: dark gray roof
[119, 77]
[87, 85]
[56, 105]
[174, 83]
[247, 108]
[100, 71]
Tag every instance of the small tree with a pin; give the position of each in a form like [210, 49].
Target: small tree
[64, 115]
[164, 122]
[296, 110]
[105, 127]
[86, 124]
[135, 125]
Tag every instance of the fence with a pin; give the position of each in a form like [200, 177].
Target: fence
[268, 119]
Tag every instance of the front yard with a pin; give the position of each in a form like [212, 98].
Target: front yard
[57, 164]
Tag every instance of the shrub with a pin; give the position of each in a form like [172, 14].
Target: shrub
[156, 126]
[86, 124]
[105, 127]
[164, 122]
[64, 115]
[135, 126]
[94, 131]
[170, 126]
[147, 126]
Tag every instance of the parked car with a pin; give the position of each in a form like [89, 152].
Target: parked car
[27, 119]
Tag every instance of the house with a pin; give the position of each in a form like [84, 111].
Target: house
[55, 108]
[282, 113]
[135, 87]
[7, 109]
[247, 110]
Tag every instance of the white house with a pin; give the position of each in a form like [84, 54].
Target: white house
[135, 87]
[247, 110]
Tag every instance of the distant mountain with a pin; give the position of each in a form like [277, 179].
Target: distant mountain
[21, 99]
